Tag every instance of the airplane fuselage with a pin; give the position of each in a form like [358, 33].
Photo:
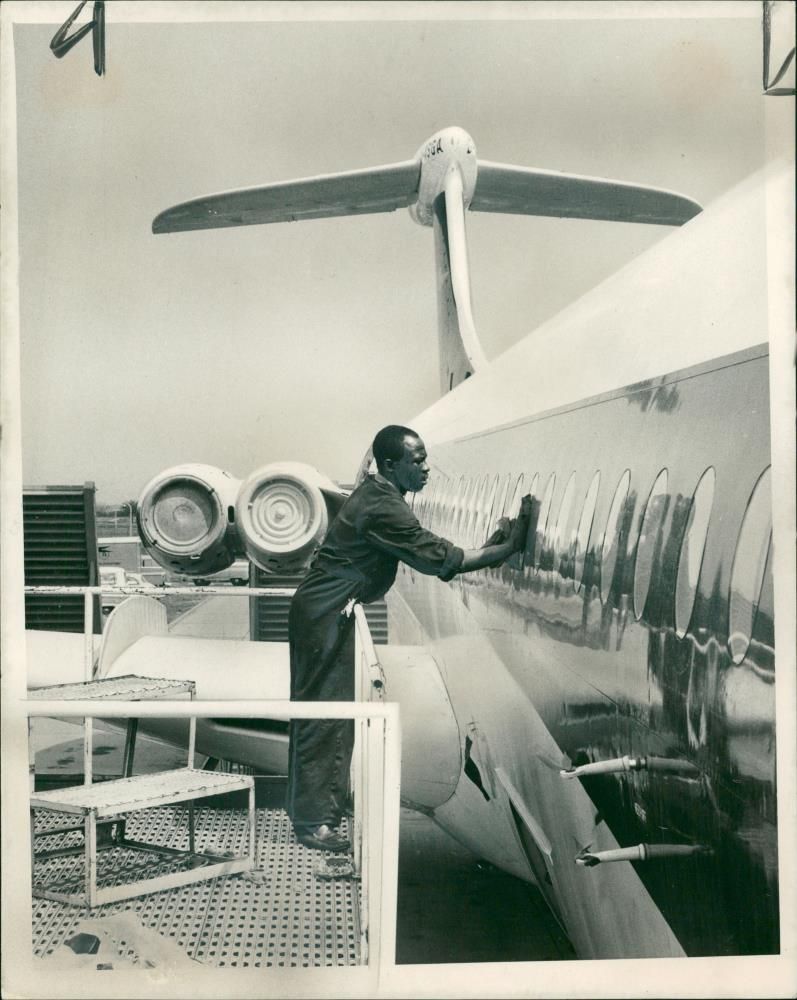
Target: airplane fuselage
[606, 643]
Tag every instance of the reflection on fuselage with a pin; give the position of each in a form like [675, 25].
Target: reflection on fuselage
[638, 622]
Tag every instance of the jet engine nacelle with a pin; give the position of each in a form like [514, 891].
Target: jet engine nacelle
[282, 513]
[186, 519]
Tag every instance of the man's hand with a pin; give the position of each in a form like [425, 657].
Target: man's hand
[520, 526]
[501, 533]
[508, 538]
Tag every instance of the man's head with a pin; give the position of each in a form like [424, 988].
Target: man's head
[400, 456]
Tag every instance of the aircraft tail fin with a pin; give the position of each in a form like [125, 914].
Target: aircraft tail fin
[439, 185]
[529, 191]
[355, 192]
[461, 352]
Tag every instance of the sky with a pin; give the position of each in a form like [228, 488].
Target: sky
[239, 347]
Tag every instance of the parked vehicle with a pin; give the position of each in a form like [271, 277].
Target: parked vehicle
[237, 575]
[117, 576]
[111, 576]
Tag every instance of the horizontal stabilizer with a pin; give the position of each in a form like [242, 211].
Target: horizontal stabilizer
[355, 192]
[527, 191]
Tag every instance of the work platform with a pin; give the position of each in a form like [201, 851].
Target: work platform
[282, 915]
[292, 907]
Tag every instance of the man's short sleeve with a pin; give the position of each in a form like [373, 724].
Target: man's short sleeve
[393, 528]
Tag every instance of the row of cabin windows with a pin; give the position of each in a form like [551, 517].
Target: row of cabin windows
[466, 509]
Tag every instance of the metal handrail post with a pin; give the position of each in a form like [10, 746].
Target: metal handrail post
[362, 805]
[378, 765]
[88, 671]
[374, 862]
[391, 806]
[357, 757]
[88, 635]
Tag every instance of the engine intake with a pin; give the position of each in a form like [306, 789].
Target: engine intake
[282, 512]
[186, 519]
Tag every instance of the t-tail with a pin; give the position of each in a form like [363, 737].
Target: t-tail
[438, 185]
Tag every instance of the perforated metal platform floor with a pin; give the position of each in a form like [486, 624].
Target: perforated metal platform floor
[283, 917]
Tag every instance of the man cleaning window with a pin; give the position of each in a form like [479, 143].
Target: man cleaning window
[374, 530]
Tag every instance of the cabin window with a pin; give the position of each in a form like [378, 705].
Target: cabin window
[454, 502]
[531, 490]
[692, 549]
[513, 494]
[450, 499]
[487, 526]
[502, 497]
[420, 502]
[473, 510]
[481, 513]
[513, 506]
[478, 513]
[434, 499]
[457, 512]
[764, 625]
[585, 530]
[456, 508]
[649, 540]
[611, 536]
[561, 543]
[425, 501]
[454, 497]
[542, 522]
[443, 503]
[470, 486]
[749, 564]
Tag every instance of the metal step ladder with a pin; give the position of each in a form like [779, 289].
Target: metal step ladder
[108, 803]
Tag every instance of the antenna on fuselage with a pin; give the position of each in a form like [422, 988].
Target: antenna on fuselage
[438, 185]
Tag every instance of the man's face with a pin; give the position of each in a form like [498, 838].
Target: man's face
[411, 471]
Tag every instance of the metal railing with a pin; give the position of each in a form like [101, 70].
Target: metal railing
[376, 760]
[366, 766]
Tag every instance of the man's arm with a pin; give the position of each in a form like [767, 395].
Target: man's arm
[497, 551]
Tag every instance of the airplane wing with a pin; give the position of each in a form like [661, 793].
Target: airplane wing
[355, 192]
[221, 668]
[528, 191]
[136, 642]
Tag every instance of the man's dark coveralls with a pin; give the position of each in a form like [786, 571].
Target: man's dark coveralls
[374, 530]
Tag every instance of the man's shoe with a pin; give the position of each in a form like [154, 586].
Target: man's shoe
[323, 838]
